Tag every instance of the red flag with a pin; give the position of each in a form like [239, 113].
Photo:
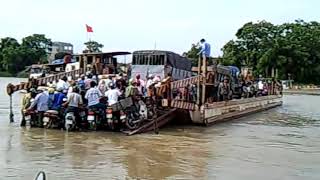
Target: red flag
[89, 28]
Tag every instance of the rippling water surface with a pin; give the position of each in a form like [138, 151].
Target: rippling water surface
[282, 143]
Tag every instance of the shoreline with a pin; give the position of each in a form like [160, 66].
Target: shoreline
[315, 92]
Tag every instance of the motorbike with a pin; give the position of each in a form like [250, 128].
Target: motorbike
[109, 117]
[94, 118]
[137, 114]
[30, 117]
[70, 121]
[51, 119]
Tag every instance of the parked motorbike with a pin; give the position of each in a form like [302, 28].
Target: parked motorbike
[30, 118]
[70, 121]
[51, 119]
[136, 115]
[94, 119]
[109, 117]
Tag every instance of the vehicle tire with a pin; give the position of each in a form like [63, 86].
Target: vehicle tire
[130, 124]
[48, 125]
[93, 125]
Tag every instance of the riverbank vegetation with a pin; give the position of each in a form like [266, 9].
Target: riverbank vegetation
[15, 56]
[290, 50]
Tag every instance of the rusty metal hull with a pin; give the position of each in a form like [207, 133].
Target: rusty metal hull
[223, 111]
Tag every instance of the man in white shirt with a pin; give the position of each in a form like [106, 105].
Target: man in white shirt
[62, 84]
[113, 95]
[74, 103]
[93, 95]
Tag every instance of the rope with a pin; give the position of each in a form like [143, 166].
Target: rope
[11, 112]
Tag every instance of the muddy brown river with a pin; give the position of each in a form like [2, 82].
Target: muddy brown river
[282, 143]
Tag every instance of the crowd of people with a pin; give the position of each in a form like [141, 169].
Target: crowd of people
[88, 91]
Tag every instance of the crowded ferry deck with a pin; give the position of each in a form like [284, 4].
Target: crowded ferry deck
[158, 87]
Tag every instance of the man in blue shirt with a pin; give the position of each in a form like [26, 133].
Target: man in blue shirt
[41, 104]
[58, 100]
[205, 49]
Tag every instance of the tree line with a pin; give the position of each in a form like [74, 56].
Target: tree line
[15, 56]
[34, 49]
[289, 49]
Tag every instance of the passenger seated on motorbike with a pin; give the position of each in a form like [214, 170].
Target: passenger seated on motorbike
[51, 97]
[58, 100]
[131, 90]
[41, 104]
[74, 103]
[112, 94]
[93, 96]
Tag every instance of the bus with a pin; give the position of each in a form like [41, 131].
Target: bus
[160, 63]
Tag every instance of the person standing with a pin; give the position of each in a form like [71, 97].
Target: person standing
[93, 96]
[205, 50]
[63, 84]
[26, 102]
[74, 103]
[113, 95]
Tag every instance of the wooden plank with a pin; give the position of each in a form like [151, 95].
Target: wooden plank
[162, 120]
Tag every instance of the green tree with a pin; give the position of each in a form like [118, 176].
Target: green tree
[93, 46]
[291, 48]
[193, 54]
[40, 44]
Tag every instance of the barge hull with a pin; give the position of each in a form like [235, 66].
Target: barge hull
[223, 111]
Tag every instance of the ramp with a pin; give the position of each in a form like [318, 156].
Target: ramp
[164, 118]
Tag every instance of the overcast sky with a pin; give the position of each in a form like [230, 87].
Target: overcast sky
[140, 24]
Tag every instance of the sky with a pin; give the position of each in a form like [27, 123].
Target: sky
[128, 25]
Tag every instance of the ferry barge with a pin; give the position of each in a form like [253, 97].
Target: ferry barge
[176, 73]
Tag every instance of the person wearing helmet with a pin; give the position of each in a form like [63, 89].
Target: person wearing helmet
[51, 97]
[58, 100]
[131, 90]
[112, 94]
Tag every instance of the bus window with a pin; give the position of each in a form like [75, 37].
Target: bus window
[152, 60]
[157, 60]
[134, 59]
[161, 60]
[143, 62]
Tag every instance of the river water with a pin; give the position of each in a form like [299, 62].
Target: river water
[282, 143]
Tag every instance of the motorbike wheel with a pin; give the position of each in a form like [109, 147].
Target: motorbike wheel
[48, 125]
[131, 125]
[68, 127]
[93, 125]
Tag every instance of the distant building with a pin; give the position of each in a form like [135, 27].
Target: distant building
[59, 47]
